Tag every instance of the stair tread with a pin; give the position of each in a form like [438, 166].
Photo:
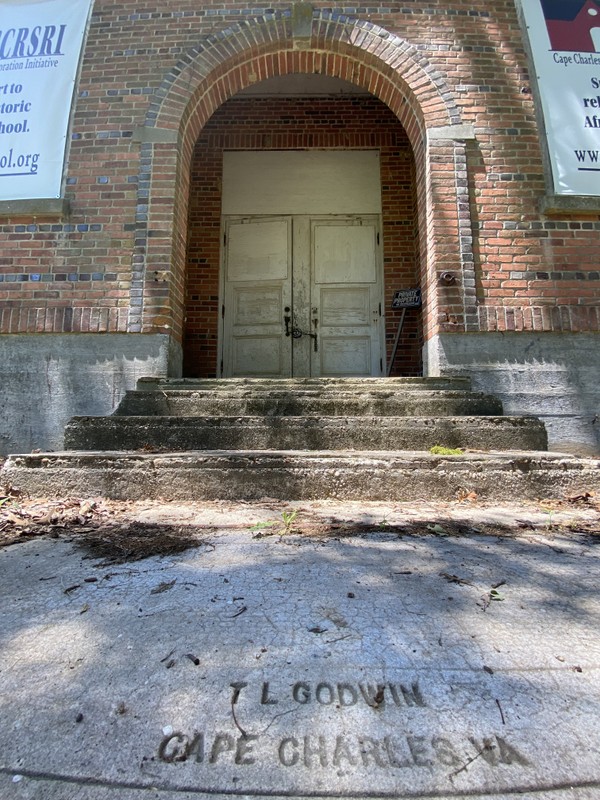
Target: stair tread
[534, 456]
[312, 393]
[307, 420]
[300, 381]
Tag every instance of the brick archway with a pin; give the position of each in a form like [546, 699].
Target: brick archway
[278, 44]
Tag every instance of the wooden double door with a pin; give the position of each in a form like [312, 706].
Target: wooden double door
[302, 296]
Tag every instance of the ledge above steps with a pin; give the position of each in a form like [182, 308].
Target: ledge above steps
[292, 384]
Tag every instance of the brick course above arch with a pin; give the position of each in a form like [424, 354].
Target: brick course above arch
[369, 56]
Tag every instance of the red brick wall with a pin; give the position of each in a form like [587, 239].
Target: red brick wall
[280, 123]
[171, 65]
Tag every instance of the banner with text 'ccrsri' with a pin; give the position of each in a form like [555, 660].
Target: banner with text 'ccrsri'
[40, 48]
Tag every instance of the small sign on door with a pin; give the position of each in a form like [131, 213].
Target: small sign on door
[407, 298]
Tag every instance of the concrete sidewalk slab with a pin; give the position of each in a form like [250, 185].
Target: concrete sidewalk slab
[379, 662]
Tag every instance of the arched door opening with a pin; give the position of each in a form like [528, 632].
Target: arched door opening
[274, 245]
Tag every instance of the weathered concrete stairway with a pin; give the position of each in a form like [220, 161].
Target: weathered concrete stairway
[304, 439]
[306, 414]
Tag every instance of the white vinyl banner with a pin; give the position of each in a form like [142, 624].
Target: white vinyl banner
[40, 47]
[565, 40]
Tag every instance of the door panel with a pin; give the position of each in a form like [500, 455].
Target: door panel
[257, 305]
[346, 296]
[258, 356]
[345, 307]
[324, 274]
[258, 250]
[341, 356]
[344, 253]
[258, 269]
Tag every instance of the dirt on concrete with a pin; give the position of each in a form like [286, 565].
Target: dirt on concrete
[121, 531]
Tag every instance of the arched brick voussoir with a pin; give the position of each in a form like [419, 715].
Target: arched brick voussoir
[212, 92]
[373, 58]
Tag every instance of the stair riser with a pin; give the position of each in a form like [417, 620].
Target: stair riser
[210, 405]
[180, 434]
[293, 476]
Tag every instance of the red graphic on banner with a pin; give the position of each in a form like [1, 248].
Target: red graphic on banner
[571, 24]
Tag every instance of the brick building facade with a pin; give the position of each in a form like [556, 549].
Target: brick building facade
[123, 277]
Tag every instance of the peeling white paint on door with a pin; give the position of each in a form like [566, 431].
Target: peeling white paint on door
[310, 309]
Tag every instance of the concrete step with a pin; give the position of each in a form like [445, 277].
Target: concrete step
[292, 475]
[292, 384]
[252, 401]
[304, 433]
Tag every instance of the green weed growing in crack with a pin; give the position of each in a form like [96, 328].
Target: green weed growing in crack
[288, 520]
[274, 527]
[550, 514]
[259, 527]
[438, 450]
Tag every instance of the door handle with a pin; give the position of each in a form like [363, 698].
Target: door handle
[287, 321]
[297, 333]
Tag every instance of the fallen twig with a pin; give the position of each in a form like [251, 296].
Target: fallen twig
[501, 712]
[465, 766]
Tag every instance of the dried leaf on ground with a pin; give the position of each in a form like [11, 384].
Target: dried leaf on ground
[580, 497]
[163, 587]
[466, 496]
[25, 518]
[437, 529]
[493, 594]
[455, 579]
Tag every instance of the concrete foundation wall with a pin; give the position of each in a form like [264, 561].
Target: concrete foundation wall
[551, 375]
[46, 379]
